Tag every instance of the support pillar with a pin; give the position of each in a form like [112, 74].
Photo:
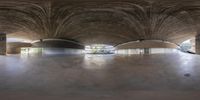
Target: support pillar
[2, 44]
[197, 45]
[147, 51]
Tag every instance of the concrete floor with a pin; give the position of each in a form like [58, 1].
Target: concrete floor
[100, 77]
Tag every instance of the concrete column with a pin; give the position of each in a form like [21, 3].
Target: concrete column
[147, 51]
[197, 45]
[2, 44]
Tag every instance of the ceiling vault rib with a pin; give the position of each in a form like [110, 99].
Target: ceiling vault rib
[120, 21]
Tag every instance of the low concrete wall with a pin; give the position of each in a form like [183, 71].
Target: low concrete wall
[15, 47]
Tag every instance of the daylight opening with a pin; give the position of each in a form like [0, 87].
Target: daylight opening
[99, 49]
[188, 46]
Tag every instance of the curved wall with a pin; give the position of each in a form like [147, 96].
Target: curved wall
[146, 44]
[57, 43]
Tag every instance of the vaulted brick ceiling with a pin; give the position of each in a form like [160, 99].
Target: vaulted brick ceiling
[101, 21]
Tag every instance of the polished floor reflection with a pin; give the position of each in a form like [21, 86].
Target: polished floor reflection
[100, 77]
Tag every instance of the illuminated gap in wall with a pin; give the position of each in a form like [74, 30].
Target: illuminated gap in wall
[151, 51]
[99, 49]
[50, 51]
